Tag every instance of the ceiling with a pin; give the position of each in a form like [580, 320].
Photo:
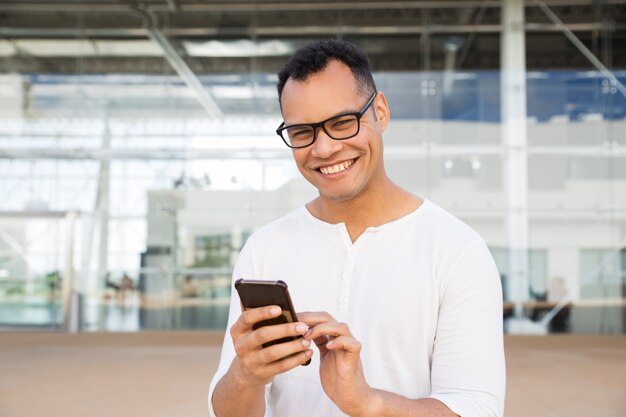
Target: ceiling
[215, 37]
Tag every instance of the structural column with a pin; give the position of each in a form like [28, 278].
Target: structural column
[514, 144]
[11, 96]
[70, 297]
[102, 208]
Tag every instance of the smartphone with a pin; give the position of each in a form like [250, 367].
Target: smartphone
[257, 293]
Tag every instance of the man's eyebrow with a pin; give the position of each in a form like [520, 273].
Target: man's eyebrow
[339, 113]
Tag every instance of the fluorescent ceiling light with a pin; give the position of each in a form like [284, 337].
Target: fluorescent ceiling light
[241, 48]
[465, 76]
[55, 47]
[7, 48]
[243, 92]
[80, 91]
[589, 74]
[222, 78]
[128, 48]
[81, 47]
[537, 75]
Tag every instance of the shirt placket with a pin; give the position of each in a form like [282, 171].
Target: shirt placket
[346, 283]
[348, 274]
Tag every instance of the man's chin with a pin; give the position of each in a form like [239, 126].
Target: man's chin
[337, 197]
[335, 194]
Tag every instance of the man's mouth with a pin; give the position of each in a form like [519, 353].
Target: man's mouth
[333, 169]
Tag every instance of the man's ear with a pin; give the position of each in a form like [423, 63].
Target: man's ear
[383, 114]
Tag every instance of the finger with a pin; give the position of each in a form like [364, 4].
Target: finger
[321, 341]
[250, 347]
[282, 350]
[313, 318]
[250, 317]
[349, 344]
[288, 363]
[334, 329]
[267, 334]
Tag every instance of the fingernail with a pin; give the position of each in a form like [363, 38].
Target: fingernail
[275, 311]
[329, 344]
[301, 328]
[309, 353]
[306, 343]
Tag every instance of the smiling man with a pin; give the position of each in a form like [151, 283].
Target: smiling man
[403, 301]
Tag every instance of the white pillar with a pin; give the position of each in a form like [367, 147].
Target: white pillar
[515, 164]
[564, 263]
[102, 209]
[11, 96]
[236, 242]
[71, 302]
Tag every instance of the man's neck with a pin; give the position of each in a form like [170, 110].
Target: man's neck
[372, 208]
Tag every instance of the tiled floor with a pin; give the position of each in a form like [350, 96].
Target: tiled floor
[554, 376]
[161, 374]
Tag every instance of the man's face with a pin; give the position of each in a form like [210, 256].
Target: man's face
[340, 169]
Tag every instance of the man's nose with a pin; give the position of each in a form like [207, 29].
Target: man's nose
[324, 146]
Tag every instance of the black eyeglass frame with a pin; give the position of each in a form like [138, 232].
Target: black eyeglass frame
[321, 124]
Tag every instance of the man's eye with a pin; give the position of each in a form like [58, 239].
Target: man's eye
[299, 133]
[343, 123]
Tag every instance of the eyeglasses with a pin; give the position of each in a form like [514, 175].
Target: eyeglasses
[344, 126]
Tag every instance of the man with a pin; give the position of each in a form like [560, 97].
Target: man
[404, 299]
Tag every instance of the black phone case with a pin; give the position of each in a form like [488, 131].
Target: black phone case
[257, 293]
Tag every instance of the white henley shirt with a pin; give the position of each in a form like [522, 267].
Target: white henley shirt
[422, 294]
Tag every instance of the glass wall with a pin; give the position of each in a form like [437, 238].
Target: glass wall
[124, 203]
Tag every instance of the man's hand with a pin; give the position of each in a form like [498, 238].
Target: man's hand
[341, 371]
[241, 391]
[255, 365]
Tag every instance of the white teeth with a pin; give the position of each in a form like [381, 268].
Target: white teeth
[336, 168]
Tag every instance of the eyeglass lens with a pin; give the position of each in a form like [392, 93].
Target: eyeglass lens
[341, 127]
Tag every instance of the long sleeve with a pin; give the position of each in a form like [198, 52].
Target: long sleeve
[468, 369]
[244, 268]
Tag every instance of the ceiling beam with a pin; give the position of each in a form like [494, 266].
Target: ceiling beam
[395, 152]
[269, 6]
[185, 73]
[567, 31]
[277, 31]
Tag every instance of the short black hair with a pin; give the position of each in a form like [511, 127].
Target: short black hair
[315, 56]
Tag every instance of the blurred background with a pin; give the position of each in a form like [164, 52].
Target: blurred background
[138, 153]
[137, 148]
